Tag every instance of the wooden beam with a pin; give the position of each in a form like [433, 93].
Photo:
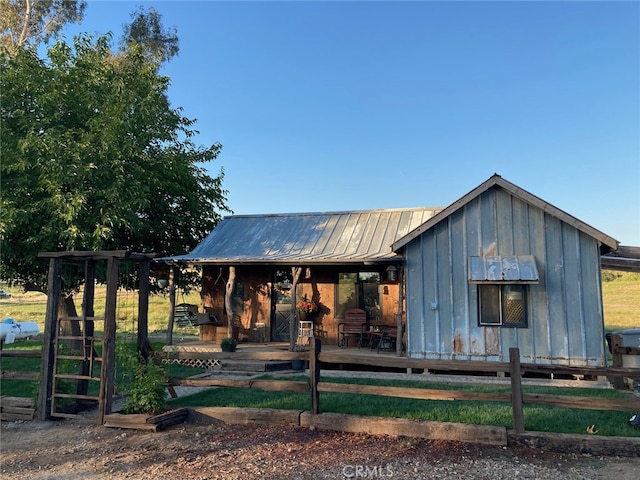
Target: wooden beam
[408, 392]
[54, 287]
[457, 432]
[246, 416]
[143, 343]
[578, 444]
[109, 342]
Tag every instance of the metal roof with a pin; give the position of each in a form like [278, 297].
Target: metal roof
[305, 238]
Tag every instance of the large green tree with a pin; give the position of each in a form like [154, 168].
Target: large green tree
[95, 158]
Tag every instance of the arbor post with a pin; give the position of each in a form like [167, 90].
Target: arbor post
[45, 393]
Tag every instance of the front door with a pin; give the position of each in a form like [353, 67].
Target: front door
[281, 300]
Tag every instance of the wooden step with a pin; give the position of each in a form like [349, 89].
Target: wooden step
[253, 366]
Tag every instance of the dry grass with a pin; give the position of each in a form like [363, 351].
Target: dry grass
[621, 296]
[32, 306]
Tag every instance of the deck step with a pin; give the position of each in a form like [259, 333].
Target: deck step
[253, 366]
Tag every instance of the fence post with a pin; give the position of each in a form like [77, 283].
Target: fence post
[616, 346]
[314, 374]
[516, 389]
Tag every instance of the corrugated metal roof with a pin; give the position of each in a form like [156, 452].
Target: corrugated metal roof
[331, 237]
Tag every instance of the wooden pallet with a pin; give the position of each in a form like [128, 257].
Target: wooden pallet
[16, 408]
[141, 421]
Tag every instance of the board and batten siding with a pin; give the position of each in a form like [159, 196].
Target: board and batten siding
[565, 315]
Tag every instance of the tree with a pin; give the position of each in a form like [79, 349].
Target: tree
[95, 158]
[147, 31]
[36, 21]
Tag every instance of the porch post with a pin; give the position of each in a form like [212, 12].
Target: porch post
[400, 310]
[227, 300]
[293, 318]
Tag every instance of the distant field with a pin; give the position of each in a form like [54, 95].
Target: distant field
[621, 296]
[32, 306]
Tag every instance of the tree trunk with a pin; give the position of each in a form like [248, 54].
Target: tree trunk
[293, 318]
[67, 308]
[227, 300]
[172, 305]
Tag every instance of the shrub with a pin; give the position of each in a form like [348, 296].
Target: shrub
[228, 344]
[142, 382]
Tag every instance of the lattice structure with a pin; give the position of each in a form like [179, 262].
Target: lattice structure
[514, 311]
[207, 364]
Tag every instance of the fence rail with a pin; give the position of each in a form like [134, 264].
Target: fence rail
[514, 368]
[18, 408]
[314, 386]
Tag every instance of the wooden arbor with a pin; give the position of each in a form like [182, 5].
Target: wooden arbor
[83, 336]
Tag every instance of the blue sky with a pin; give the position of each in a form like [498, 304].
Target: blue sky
[325, 106]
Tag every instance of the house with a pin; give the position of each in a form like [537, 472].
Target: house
[502, 268]
[256, 266]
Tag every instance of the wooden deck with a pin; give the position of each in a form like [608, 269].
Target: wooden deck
[275, 356]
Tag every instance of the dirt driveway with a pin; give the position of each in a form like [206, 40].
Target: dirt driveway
[78, 450]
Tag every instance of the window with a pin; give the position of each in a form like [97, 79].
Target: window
[502, 305]
[359, 290]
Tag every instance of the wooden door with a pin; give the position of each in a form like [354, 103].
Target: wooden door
[281, 310]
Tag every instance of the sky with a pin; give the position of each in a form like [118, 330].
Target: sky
[333, 106]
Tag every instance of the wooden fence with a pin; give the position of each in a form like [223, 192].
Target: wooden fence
[314, 386]
[514, 368]
[18, 408]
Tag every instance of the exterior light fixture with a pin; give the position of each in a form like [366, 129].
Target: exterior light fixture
[392, 273]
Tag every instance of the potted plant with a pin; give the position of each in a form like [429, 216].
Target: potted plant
[228, 344]
[306, 307]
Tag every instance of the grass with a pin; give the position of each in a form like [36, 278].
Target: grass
[31, 306]
[620, 291]
[620, 294]
[537, 418]
[620, 297]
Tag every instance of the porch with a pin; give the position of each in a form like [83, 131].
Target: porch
[251, 357]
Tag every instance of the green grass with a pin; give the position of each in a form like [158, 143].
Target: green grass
[27, 388]
[537, 418]
[620, 294]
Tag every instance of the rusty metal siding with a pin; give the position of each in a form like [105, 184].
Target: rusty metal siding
[564, 307]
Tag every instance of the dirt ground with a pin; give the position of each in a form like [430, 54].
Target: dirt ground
[76, 449]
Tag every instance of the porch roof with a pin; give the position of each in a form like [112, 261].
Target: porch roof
[307, 238]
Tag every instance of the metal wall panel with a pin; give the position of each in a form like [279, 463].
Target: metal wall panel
[564, 308]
